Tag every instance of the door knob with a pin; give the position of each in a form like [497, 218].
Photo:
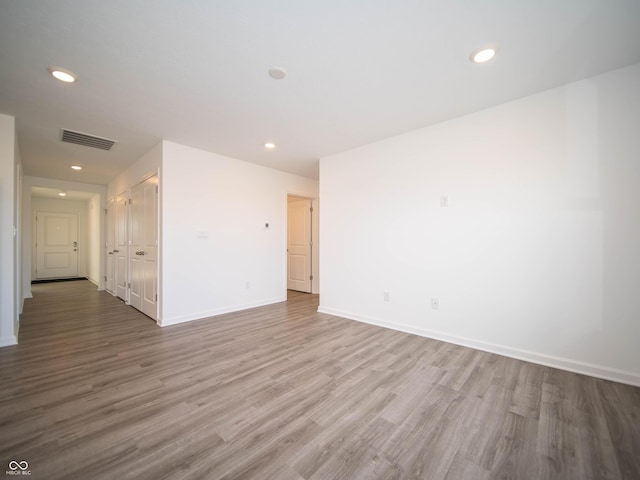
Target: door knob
[110, 253]
[116, 251]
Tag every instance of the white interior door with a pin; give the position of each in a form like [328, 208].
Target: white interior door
[136, 218]
[120, 251]
[111, 246]
[299, 244]
[150, 248]
[56, 245]
[143, 235]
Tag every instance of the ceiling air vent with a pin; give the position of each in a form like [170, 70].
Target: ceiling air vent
[79, 138]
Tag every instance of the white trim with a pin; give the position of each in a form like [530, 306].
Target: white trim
[212, 313]
[575, 366]
[101, 288]
[8, 341]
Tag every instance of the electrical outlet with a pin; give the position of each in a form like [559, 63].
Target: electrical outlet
[435, 303]
[386, 296]
[247, 285]
[444, 201]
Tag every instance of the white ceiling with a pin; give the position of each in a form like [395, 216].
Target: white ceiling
[72, 195]
[195, 72]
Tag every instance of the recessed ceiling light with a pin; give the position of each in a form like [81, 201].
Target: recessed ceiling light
[269, 145]
[76, 167]
[277, 72]
[62, 74]
[483, 54]
[62, 194]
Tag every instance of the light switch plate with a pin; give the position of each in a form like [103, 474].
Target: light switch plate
[435, 303]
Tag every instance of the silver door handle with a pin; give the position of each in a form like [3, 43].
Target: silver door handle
[140, 252]
[110, 253]
[116, 251]
[75, 244]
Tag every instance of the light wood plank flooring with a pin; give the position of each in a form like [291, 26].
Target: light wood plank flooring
[96, 390]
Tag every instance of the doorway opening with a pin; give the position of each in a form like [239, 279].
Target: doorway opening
[300, 244]
[64, 238]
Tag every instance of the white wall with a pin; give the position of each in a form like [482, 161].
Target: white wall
[144, 167]
[9, 158]
[537, 255]
[95, 214]
[62, 206]
[228, 202]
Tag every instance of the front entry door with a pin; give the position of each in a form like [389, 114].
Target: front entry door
[56, 245]
[299, 244]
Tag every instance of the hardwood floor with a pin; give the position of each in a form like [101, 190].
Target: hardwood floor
[96, 390]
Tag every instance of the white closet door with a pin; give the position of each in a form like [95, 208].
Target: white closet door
[121, 251]
[143, 247]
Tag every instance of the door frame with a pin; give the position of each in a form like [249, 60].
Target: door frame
[80, 252]
[315, 235]
[28, 225]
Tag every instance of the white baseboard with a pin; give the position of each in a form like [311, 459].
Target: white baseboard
[165, 322]
[575, 366]
[8, 341]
